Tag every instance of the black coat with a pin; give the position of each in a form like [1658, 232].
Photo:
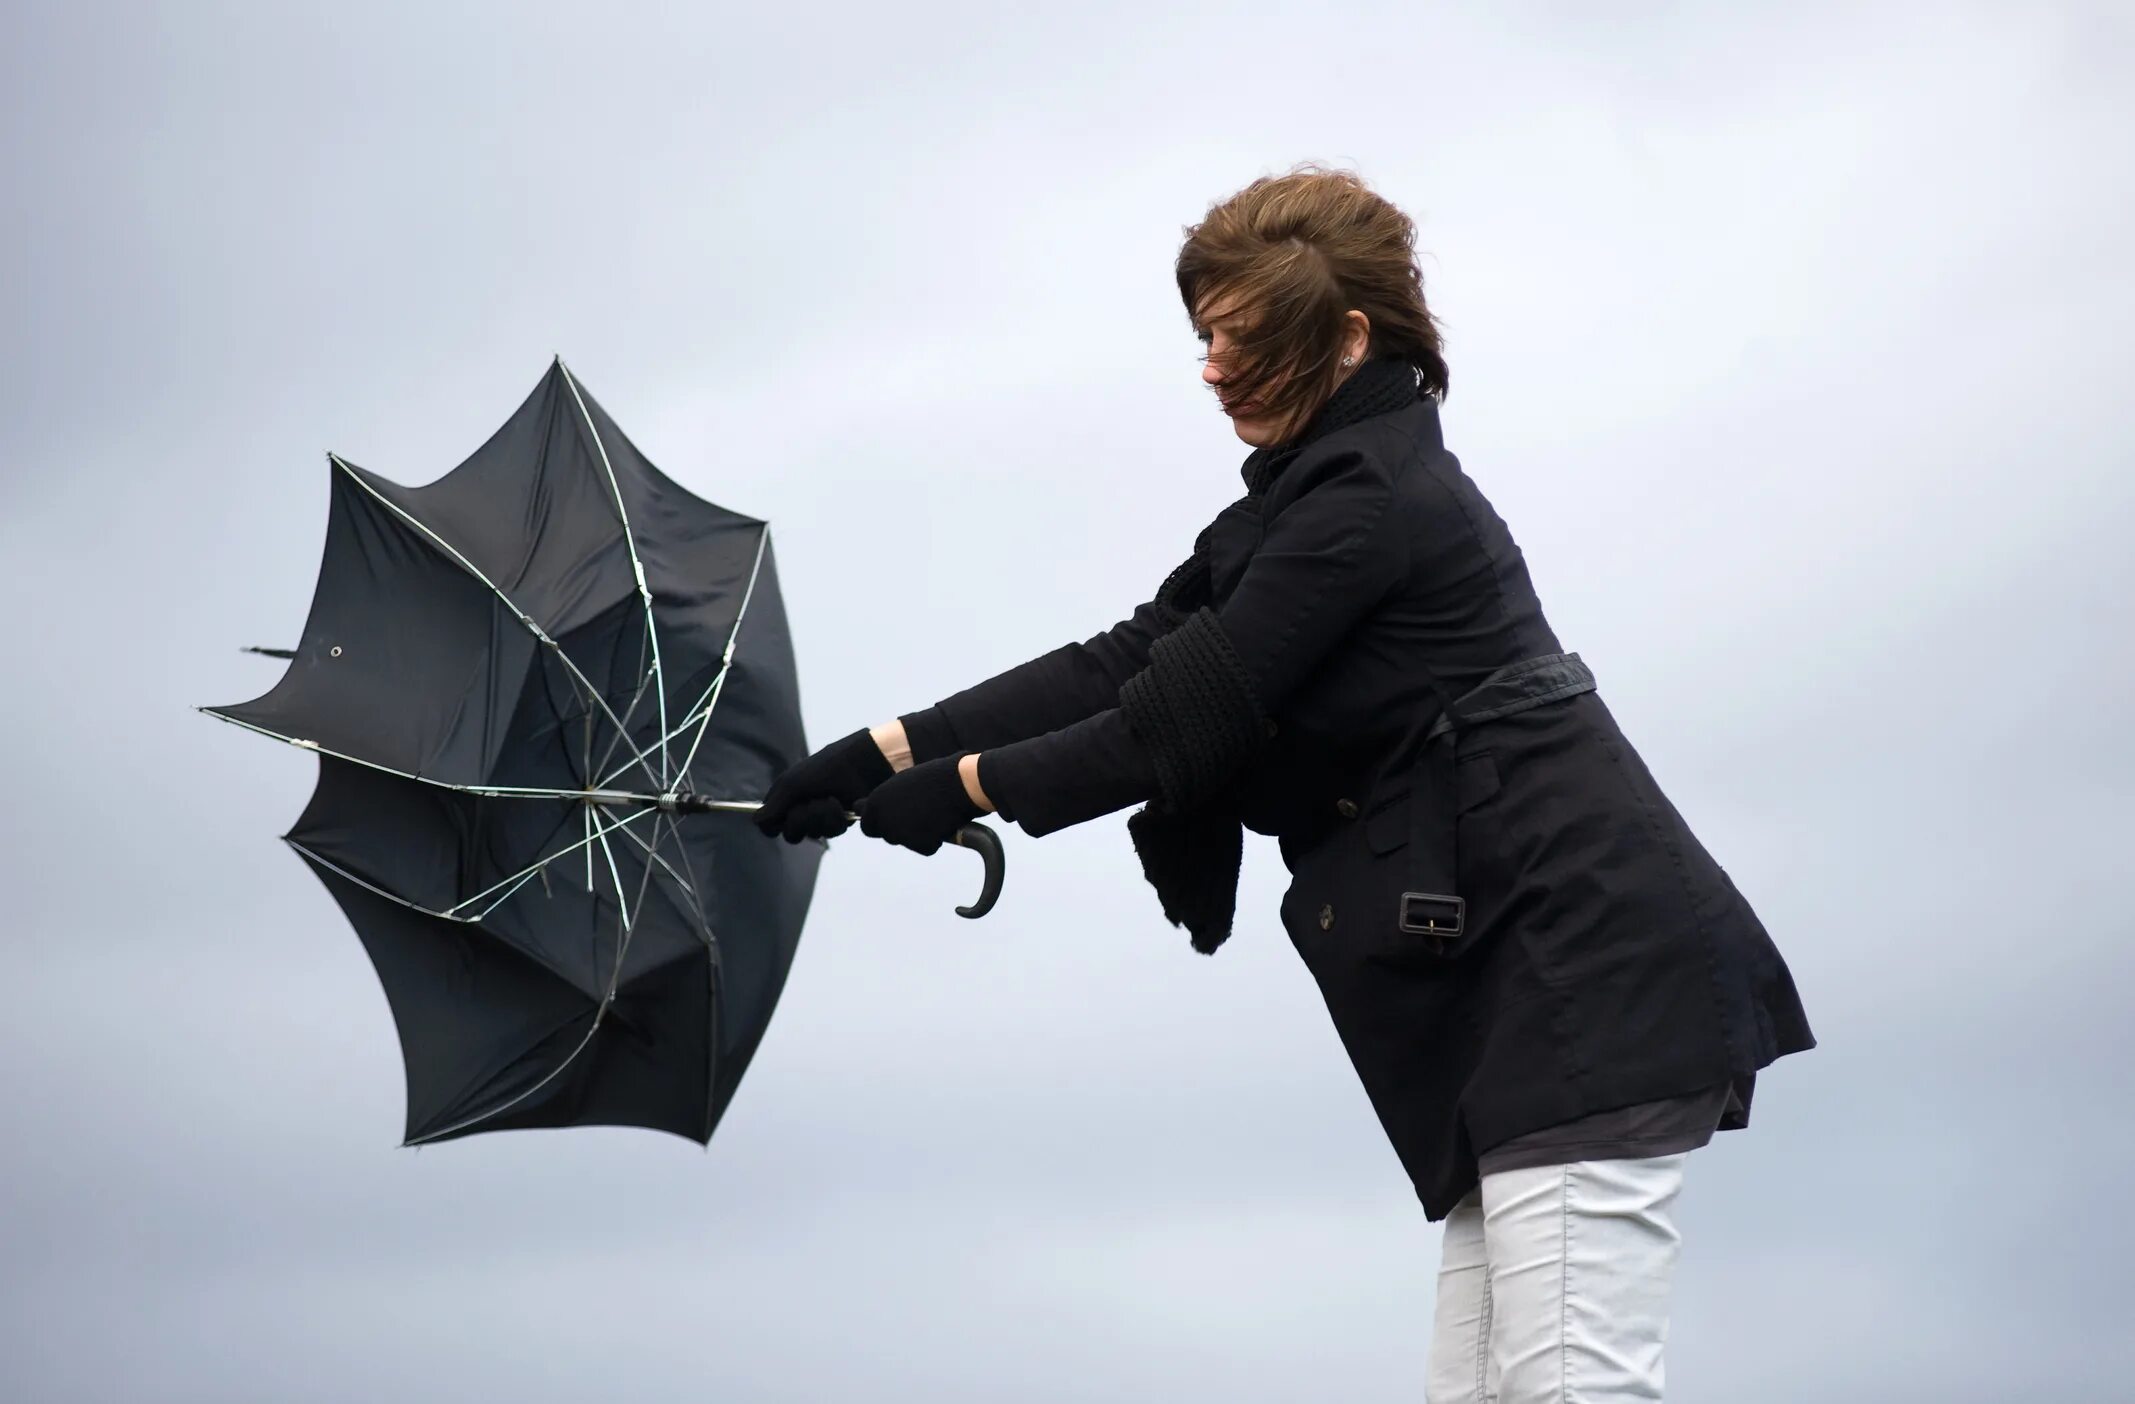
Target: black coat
[1605, 958]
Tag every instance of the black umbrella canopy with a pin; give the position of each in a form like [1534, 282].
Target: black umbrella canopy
[553, 617]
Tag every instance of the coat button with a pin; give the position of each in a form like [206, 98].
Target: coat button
[1326, 918]
[1346, 808]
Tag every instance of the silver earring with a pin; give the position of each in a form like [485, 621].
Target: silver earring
[1349, 360]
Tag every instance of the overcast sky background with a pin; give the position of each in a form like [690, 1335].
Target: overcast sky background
[1791, 340]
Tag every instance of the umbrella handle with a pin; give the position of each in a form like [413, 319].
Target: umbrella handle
[987, 843]
[977, 837]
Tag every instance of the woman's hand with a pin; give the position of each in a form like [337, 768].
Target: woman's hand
[922, 808]
[811, 799]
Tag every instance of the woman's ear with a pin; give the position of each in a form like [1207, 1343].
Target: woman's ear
[1356, 336]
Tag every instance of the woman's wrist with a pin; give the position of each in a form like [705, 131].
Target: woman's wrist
[928, 734]
[968, 768]
[896, 748]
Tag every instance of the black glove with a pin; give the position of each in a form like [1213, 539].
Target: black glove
[921, 808]
[811, 798]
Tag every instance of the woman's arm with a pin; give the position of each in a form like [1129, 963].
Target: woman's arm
[1326, 562]
[1050, 691]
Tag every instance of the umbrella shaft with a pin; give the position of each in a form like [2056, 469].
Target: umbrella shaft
[678, 804]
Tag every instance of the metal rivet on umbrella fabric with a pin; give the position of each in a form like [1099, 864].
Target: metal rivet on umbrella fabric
[334, 652]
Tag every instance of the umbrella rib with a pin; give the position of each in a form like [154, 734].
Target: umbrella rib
[711, 937]
[520, 878]
[726, 657]
[622, 947]
[637, 567]
[370, 886]
[615, 978]
[652, 851]
[451, 913]
[615, 875]
[621, 737]
[553, 1073]
[726, 806]
[330, 865]
[521, 615]
[695, 903]
[702, 719]
[483, 791]
[639, 756]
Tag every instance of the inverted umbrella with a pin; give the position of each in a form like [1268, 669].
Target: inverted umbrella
[543, 690]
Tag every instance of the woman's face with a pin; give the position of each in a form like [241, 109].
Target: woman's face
[1218, 329]
[1218, 332]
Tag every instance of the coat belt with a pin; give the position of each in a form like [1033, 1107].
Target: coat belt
[1516, 687]
[1439, 919]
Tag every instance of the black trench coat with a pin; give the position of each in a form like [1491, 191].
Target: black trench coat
[1605, 959]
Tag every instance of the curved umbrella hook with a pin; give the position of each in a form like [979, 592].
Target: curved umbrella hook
[987, 844]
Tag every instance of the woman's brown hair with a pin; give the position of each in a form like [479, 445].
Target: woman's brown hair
[1289, 255]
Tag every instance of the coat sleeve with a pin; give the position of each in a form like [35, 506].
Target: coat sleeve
[1049, 692]
[1325, 562]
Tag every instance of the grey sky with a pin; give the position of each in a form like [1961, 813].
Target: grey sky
[1790, 340]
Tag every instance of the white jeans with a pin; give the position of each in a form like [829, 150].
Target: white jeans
[1553, 1287]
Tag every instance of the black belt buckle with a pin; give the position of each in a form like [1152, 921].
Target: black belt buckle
[1438, 915]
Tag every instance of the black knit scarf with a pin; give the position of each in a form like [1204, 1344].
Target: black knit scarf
[1194, 708]
[1374, 388]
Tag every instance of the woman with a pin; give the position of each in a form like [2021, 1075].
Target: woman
[1550, 991]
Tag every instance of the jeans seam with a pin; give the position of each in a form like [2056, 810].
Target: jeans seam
[1564, 1292]
[1482, 1340]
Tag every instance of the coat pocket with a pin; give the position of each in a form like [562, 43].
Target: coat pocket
[1386, 822]
[1390, 820]
[1475, 780]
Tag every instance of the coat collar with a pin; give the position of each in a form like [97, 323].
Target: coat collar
[1374, 388]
